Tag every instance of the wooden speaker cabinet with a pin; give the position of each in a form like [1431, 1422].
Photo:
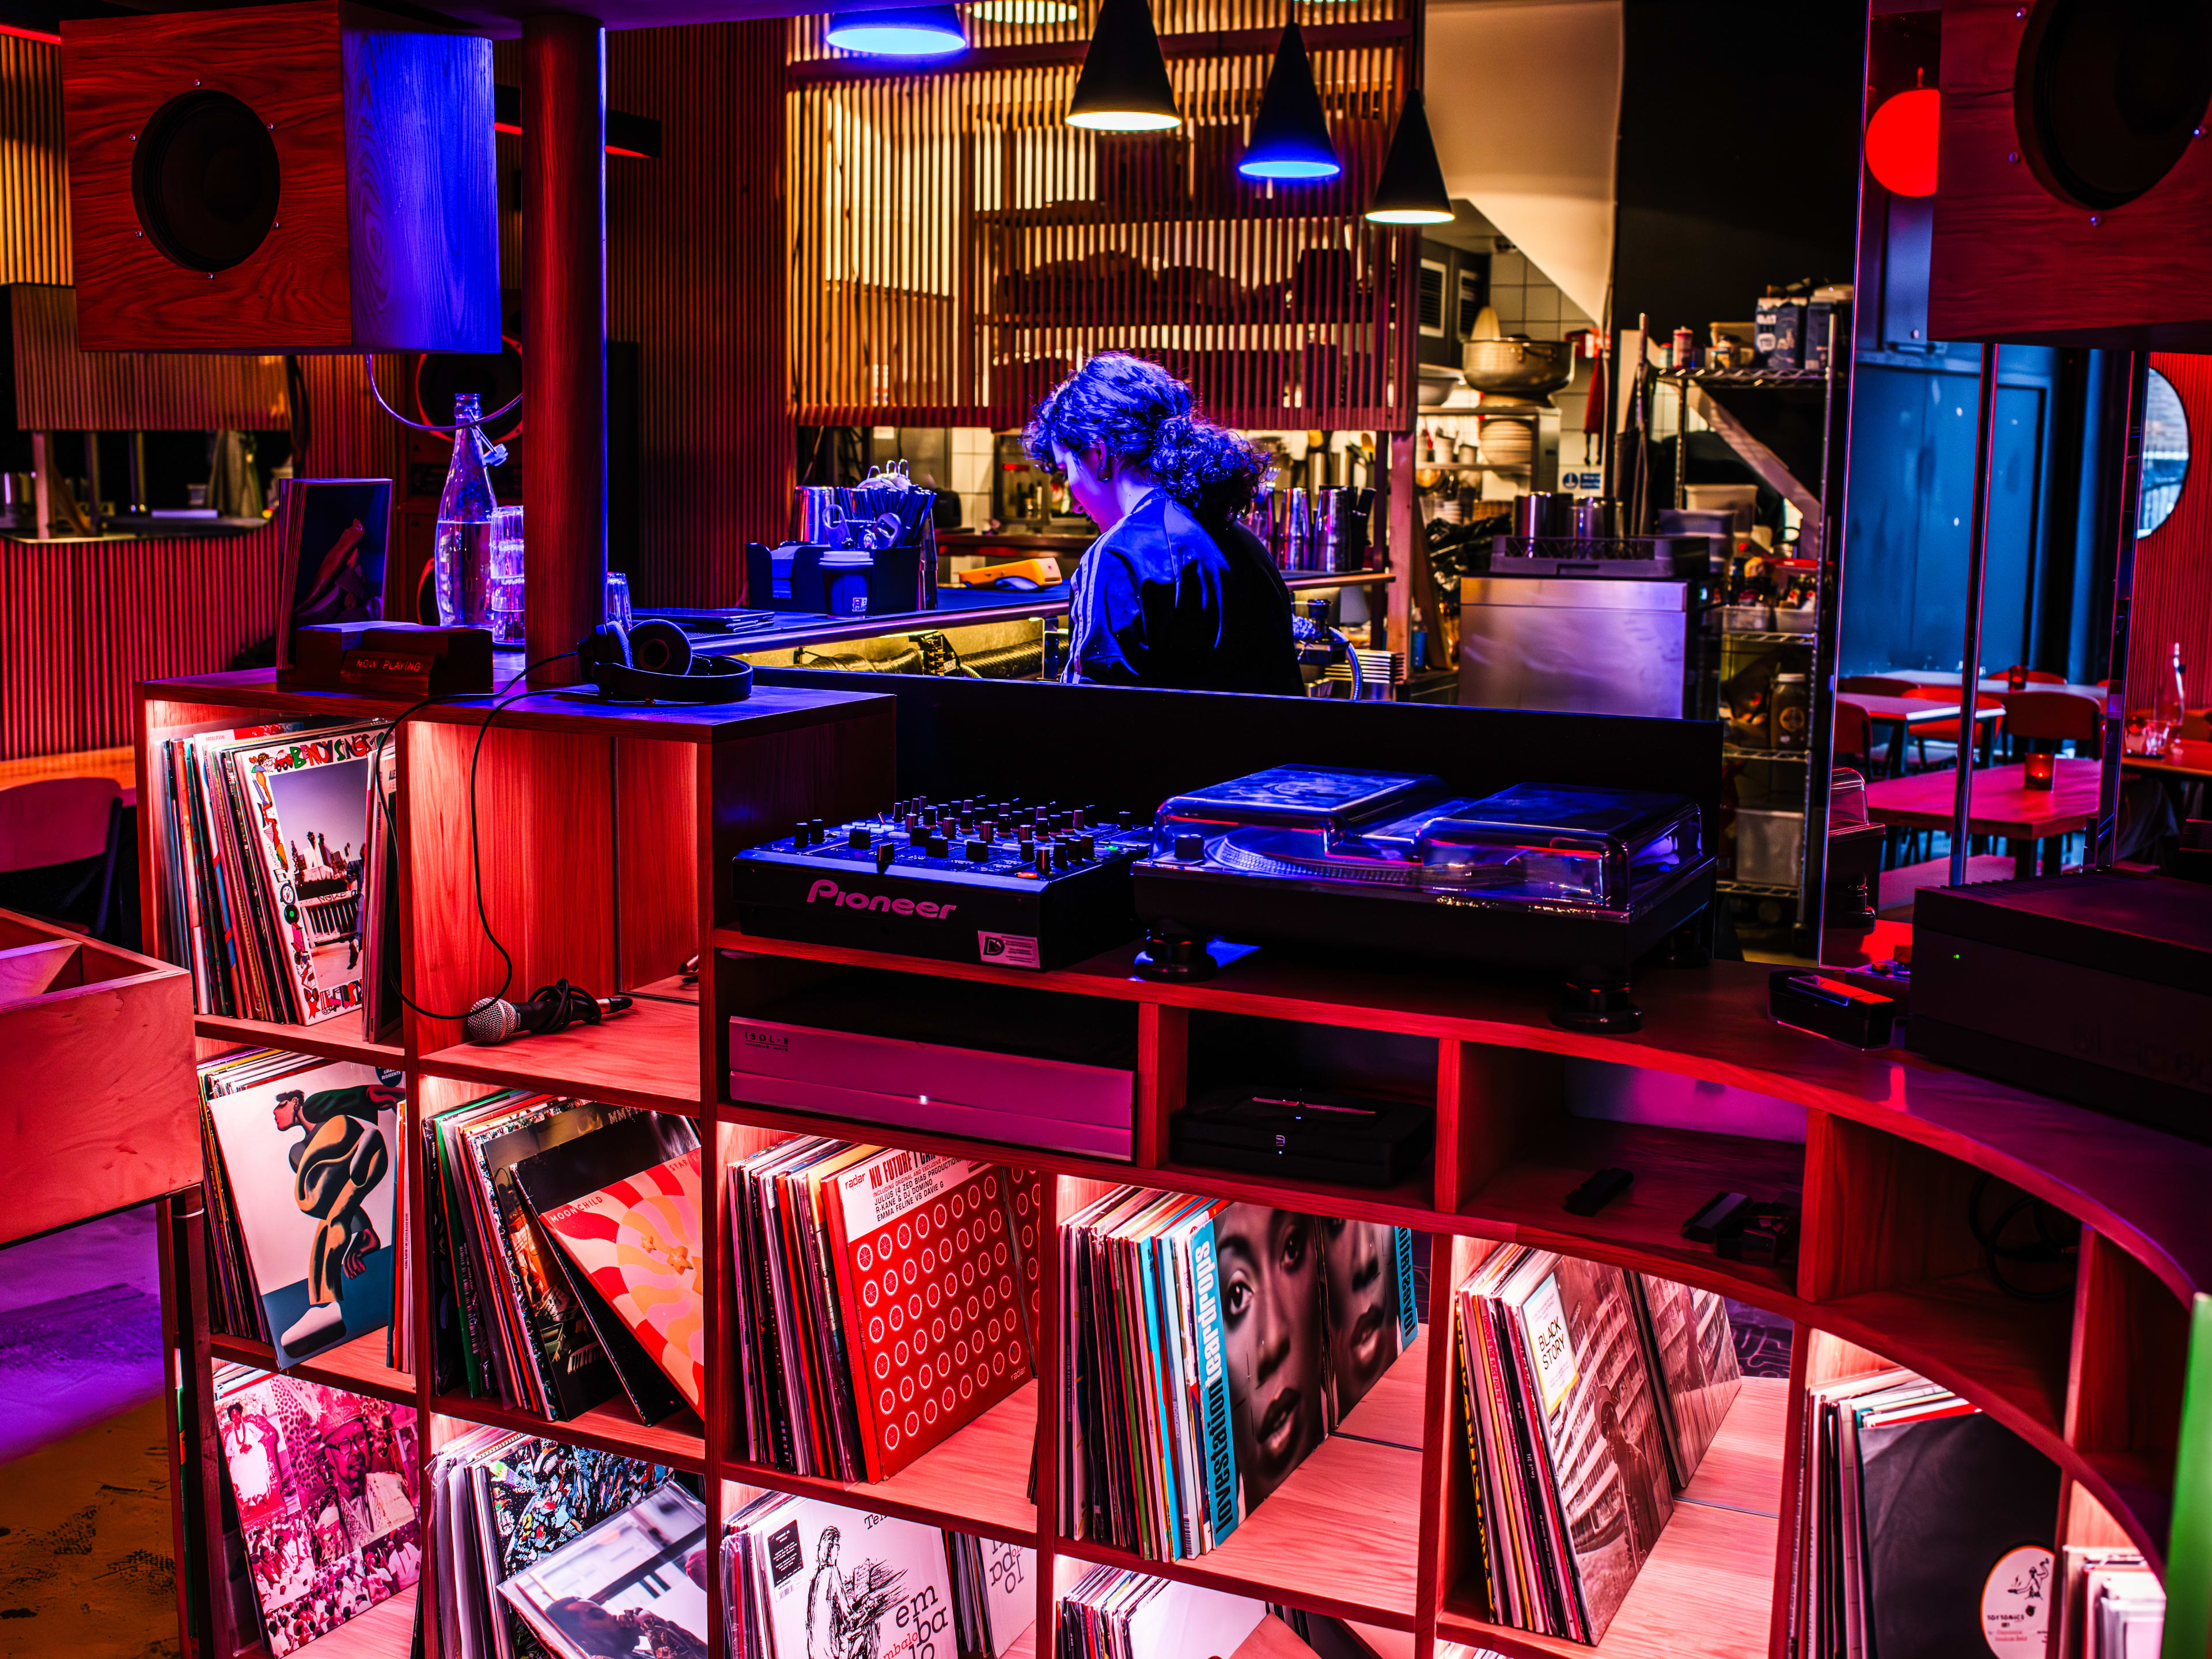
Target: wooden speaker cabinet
[2074, 183]
[295, 179]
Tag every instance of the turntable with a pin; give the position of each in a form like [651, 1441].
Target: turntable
[1578, 881]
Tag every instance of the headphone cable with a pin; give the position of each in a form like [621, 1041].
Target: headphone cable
[476, 852]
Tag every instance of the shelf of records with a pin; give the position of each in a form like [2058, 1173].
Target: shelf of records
[332, 1512]
[1241, 1395]
[278, 878]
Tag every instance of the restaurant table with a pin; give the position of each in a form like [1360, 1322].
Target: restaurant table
[2002, 805]
[120, 764]
[1950, 676]
[1903, 714]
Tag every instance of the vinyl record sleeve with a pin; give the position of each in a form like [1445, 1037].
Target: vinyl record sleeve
[627, 1577]
[1586, 1388]
[1943, 1502]
[830, 1581]
[639, 1241]
[559, 1174]
[308, 1160]
[304, 801]
[934, 1297]
[1689, 1351]
[324, 1484]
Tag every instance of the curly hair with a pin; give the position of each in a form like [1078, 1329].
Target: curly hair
[1142, 417]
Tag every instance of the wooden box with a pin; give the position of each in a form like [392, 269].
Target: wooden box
[367, 220]
[2027, 248]
[98, 1104]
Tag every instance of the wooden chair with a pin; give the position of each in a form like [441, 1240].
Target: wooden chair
[58, 843]
[1946, 733]
[2056, 717]
[1854, 744]
[1875, 685]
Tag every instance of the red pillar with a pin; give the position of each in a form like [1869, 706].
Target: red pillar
[564, 459]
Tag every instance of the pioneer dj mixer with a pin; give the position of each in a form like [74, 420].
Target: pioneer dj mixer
[1013, 883]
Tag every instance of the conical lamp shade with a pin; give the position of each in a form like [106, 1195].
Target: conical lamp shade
[1289, 135]
[1410, 190]
[1124, 84]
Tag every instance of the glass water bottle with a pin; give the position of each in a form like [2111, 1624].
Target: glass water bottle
[466, 517]
[2170, 707]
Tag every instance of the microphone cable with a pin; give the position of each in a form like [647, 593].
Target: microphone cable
[476, 849]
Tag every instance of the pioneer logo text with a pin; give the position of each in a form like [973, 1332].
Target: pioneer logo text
[828, 890]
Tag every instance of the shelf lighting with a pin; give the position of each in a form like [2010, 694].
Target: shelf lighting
[1289, 135]
[1124, 86]
[903, 32]
[1410, 190]
[1024, 11]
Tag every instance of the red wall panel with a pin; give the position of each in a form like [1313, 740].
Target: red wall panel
[2173, 563]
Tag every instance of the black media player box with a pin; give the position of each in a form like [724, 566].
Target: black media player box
[2094, 987]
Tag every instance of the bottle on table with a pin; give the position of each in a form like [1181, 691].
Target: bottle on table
[2169, 708]
[466, 512]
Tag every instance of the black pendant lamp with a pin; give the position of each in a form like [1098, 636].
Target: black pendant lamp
[1410, 190]
[1289, 135]
[1124, 85]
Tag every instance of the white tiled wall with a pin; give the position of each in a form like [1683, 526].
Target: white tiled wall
[971, 473]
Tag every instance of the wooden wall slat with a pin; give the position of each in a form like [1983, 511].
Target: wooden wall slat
[34, 220]
[61, 389]
[926, 293]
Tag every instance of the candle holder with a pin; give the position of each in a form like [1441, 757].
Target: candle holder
[2042, 771]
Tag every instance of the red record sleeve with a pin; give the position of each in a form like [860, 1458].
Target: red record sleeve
[931, 1283]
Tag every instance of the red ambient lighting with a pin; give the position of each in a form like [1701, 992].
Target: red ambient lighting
[1901, 141]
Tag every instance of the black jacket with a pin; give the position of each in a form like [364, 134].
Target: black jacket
[1161, 600]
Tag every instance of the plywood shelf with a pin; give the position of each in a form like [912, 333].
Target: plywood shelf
[334, 1039]
[1676, 1171]
[1706, 1587]
[678, 1442]
[2006, 1355]
[647, 1057]
[977, 1482]
[357, 1365]
[1340, 1536]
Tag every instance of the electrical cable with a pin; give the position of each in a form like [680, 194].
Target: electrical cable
[475, 851]
[2050, 1246]
[369, 368]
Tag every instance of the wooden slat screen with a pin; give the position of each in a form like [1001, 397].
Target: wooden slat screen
[955, 248]
[34, 219]
[61, 389]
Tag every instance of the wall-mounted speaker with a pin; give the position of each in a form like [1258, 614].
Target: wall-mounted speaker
[299, 178]
[2073, 180]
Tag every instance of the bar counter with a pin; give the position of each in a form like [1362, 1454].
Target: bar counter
[957, 608]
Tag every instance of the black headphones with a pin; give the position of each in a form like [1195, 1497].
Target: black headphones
[652, 663]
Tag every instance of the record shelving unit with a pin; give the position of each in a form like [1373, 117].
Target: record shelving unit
[605, 833]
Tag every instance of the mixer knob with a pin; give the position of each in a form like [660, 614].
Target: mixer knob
[885, 852]
[1027, 849]
[1189, 848]
[978, 851]
[1087, 846]
[939, 847]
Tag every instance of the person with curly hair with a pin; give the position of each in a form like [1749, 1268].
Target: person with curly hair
[1175, 593]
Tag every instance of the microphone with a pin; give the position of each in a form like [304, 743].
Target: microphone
[551, 1008]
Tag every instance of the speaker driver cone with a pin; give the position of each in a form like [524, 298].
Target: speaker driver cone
[2109, 93]
[205, 179]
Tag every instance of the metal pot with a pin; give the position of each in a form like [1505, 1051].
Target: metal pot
[1519, 366]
